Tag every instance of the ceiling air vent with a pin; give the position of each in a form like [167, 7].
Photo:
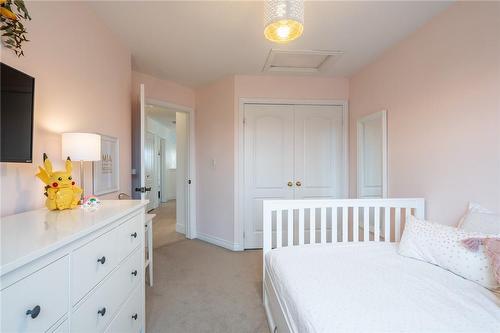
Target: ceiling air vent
[306, 61]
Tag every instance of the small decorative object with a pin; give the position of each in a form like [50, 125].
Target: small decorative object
[13, 30]
[61, 190]
[284, 20]
[106, 171]
[91, 202]
[492, 249]
[81, 147]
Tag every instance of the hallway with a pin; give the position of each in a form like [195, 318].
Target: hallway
[164, 225]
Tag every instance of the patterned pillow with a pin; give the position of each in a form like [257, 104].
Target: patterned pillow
[442, 246]
[492, 249]
[480, 219]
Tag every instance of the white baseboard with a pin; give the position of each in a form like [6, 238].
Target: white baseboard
[180, 228]
[218, 241]
[238, 247]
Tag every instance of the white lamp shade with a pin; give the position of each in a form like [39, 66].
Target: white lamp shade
[81, 146]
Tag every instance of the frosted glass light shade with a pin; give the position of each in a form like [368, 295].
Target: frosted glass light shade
[81, 146]
[284, 20]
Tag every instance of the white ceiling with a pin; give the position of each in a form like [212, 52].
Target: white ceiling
[196, 42]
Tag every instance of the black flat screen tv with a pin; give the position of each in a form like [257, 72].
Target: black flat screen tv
[16, 115]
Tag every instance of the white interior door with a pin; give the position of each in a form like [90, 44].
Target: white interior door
[268, 163]
[372, 155]
[319, 154]
[290, 152]
[139, 188]
[149, 169]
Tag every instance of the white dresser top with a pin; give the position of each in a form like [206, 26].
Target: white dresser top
[30, 235]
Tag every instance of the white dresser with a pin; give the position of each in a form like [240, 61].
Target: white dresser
[74, 270]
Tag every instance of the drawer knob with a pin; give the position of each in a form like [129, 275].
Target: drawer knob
[134, 272]
[102, 312]
[34, 312]
[134, 235]
[102, 260]
[134, 316]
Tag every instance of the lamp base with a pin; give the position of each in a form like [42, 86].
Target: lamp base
[82, 182]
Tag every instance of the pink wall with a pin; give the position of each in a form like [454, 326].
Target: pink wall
[290, 87]
[156, 89]
[82, 83]
[163, 90]
[217, 109]
[214, 140]
[441, 87]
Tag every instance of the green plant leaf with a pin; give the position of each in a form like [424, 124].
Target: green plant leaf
[14, 32]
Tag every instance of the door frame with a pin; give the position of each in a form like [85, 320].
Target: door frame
[239, 154]
[163, 174]
[151, 204]
[360, 151]
[191, 218]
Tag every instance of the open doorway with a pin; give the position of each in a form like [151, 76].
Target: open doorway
[166, 165]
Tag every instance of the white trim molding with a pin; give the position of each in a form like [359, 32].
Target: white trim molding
[180, 228]
[382, 115]
[218, 241]
[239, 153]
[190, 227]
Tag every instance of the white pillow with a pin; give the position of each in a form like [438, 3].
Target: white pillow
[480, 219]
[441, 245]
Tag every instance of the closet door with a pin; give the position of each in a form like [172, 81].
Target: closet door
[319, 156]
[268, 163]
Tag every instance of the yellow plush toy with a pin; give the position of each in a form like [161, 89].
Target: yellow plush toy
[60, 189]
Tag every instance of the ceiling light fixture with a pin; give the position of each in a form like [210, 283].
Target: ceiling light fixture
[284, 20]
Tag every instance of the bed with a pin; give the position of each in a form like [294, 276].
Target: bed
[348, 284]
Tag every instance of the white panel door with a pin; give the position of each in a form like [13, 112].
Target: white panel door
[140, 190]
[139, 128]
[319, 154]
[291, 152]
[268, 163]
[149, 160]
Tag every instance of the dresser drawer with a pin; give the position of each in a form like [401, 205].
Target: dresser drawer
[91, 263]
[129, 236]
[95, 313]
[44, 293]
[129, 319]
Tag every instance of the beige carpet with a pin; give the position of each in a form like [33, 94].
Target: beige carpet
[164, 225]
[199, 287]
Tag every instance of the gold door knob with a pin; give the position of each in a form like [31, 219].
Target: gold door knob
[290, 184]
[298, 183]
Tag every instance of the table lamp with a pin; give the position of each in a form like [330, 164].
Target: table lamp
[83, 147]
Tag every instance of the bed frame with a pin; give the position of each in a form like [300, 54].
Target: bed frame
[287, 223]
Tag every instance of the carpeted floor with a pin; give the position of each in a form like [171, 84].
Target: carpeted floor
[164, 225]
[199, 287]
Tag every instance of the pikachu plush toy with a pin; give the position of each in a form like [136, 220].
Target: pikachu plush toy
[60, 189]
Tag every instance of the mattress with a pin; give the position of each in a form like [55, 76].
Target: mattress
[370, 288]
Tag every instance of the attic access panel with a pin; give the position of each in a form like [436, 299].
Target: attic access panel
[305, 61]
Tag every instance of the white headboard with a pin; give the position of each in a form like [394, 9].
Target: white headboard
[287, 222]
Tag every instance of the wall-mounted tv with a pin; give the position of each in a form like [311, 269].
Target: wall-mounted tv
[16, 115]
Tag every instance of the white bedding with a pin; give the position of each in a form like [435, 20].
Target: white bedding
[370, 288]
